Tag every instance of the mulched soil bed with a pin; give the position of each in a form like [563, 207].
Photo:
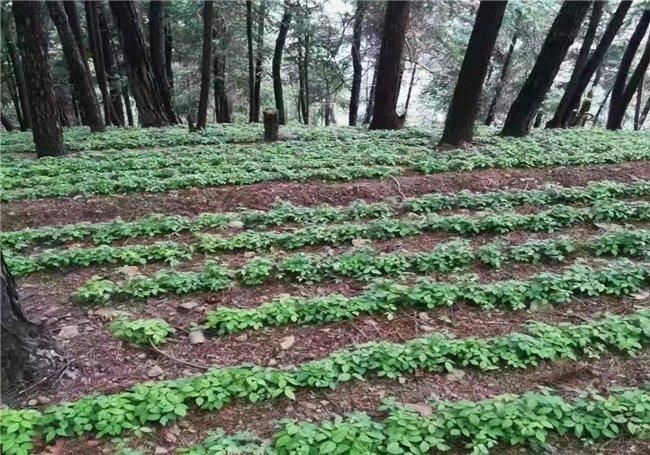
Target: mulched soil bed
[33, 213]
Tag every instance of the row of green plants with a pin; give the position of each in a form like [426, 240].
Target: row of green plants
[143, 332]
[166, 401]
[77, 138]
[284, 213]
[365, 264]
[147, 181]
[24, 173]
[480, 427]
[387, 296]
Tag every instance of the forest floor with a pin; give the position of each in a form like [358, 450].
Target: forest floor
[100, 363]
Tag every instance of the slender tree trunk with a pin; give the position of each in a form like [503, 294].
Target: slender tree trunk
[644, 113]
[276, 66]
[157, 53]
[356, 63]
[559, 118]
[111, 67]
[222, 108]
[259, 59]
[76, 68]
[29, 354]
[617, 115]
[31, 20]
[151, 110]
[19, 75]
[302, 104]
[616, 105]
[251, 61]
[388, 68]
[169, 45]
[600, 108]
[206, 65]
[583, 113]
[558, 40]
[637, 107]
[370, 102]
[6, 122]
[410, 90]
[459, 125]
[15, 98]
[127, 104]
[96, 52]
[593, 63]
[489, 118]
[72, 14]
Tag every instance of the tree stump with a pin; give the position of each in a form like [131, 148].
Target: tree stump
[29, 355]
[271, 125]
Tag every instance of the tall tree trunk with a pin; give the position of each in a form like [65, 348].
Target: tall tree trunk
[111, 67]
[206, 65]
[157, 53]
[80, 79]
[222, 107]
[151, 111]
[558, 40]
[616, 116]
[251, 61]
[356, 63]
[492, 109]
[259, 59]
[459, 125]
[560, 117]
[388, 68]
[302, 104]
[29, 355]
[617, 106]
[600, 108]
[594, 62]
[169, 45]
[6, 122]
[637, 107]
[96, 51]
[31, 20]
[72, 14]
[19, 75]
[370, 102]
[127, 104]
[276, 66]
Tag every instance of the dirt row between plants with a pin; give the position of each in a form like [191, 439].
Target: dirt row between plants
[56, 211]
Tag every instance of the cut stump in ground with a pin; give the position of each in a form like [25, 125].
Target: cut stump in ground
[271, 125]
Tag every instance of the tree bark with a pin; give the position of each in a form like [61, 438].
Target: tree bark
[600, 108]
[559, 118]
[80, 79]
[158, 57]
[303, 77]
[410, 90]
[111, 67]
[617, 115]
[356, 63]
[31, 19]
[616, 105]
[29, 355]
[596, 58]
[276, 66]
[222, 107]
[644, 113]
[489, 118]
[151, 110]
[96, 52]
[558, 40]
[72, 14]
[21, 85]
[206, 65]
[169, 45]
[251, 61]
[127, 104]
[637, 107]
[15, 98]
[271, 125]
[388, 68]
[259, 59]
[6, 122]
[459, 125]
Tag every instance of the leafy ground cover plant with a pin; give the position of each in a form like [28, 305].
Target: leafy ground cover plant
[478, 426]
[143, 332]
[166, 401]
[108, 232]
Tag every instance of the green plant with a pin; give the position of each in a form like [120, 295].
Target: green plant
[143, 332]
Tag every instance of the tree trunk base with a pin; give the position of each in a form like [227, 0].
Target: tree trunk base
[271, 125]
